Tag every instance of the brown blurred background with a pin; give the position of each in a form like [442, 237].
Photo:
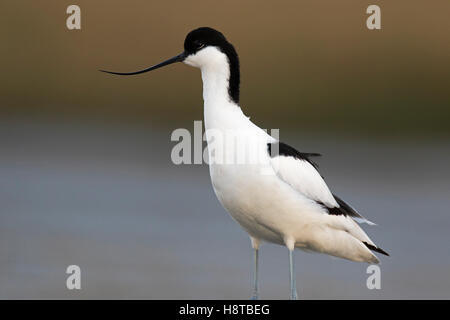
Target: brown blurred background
[307, 65]
[85, 171]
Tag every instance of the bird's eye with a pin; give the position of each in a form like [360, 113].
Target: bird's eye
[200, 45]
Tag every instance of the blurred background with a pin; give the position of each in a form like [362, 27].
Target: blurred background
[85, 171]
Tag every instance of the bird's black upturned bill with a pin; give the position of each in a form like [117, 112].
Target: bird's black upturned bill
[178, 58]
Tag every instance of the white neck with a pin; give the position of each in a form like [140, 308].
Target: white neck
[215, 84]
[219, 110]
[215, 69]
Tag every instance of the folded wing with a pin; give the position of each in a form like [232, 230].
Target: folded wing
[300, 172]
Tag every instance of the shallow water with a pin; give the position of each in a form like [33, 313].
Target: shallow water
[109, 200]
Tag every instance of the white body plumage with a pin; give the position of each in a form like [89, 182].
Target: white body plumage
[281, 206]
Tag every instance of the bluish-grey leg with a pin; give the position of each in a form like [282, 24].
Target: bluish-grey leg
[255, 293]
[293, 295]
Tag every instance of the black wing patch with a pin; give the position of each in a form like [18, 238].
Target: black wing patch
[343, 210]
[376, 249]
[282, 149]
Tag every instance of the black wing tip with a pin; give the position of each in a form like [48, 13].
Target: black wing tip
[347, 209]
[376, 249]
[314, 154]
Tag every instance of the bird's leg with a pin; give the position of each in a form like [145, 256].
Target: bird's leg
[293, 295]
[255, 294]
[255, 291]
